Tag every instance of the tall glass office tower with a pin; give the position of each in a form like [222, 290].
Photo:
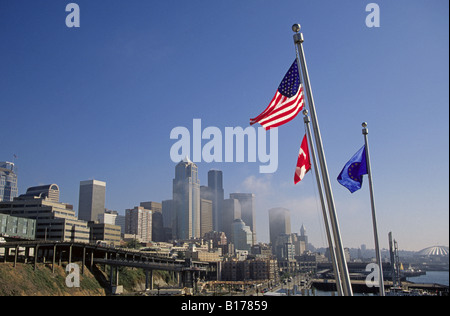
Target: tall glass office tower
[215, 185]
[186, 197]
[8, 181]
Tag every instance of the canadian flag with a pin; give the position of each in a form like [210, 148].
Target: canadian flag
[303, 162]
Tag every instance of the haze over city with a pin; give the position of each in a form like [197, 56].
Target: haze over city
[99, 102]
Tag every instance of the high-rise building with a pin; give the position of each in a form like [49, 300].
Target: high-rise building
[215, 184]
[241, 235]
[169, 219]
[8, 181]
[138, 222]
[157, 219]
[231, 211]
[279, 223]
[206, 218]
[247, 201]
[186, 196]
[91, 201]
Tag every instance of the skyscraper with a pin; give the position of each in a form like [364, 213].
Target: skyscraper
[91, 201]
[247, 201]
[169, 219]
[8, 181]
[206, 224]
[186, 197]
[231, 211]
[279, 223]
[215, 183]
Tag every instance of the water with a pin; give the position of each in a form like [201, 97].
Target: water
[438, 277]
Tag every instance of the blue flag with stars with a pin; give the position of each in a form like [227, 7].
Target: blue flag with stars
[351, 175]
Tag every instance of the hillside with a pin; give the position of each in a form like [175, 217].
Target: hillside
[24, 281]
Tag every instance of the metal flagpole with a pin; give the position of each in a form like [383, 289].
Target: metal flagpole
[343, 269]
[374, 217]
[322, 201]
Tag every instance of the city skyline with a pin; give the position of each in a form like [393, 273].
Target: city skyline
[100, 101]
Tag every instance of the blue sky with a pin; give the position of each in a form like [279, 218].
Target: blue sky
[100, 101]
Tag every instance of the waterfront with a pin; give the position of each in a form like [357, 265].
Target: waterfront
[437, 277]
[431, 277]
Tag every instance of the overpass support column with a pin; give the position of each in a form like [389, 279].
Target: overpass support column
[111, 275]
[36, 250]
[70, 254]
[84, 260]
[26, 254]
[15, 255]
[54, 258]
[148, 279]
[6, 254]
[178, 275]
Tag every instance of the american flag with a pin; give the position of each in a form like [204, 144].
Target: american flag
[287, 102]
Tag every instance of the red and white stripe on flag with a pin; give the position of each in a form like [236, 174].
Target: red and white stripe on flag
[281, 110]
[303, 162]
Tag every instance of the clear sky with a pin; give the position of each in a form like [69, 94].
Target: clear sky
[99, 102]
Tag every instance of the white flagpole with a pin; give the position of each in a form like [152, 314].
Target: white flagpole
[322, 201]
[374, 217]
[346, 283]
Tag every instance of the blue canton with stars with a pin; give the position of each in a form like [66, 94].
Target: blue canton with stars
[291, 82]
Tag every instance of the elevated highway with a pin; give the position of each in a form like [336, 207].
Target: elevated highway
[56, 252]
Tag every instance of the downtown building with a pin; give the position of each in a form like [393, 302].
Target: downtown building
[138, 222]
[248, 215]
[186, 200]
[55, 221]
[157, 220]
[279, 224]
[91, 203]
[216, 195]
[8, 181]
[241, 235]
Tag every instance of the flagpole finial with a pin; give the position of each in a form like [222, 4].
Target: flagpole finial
[365, 130]
[306, 117]
[298, 37]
